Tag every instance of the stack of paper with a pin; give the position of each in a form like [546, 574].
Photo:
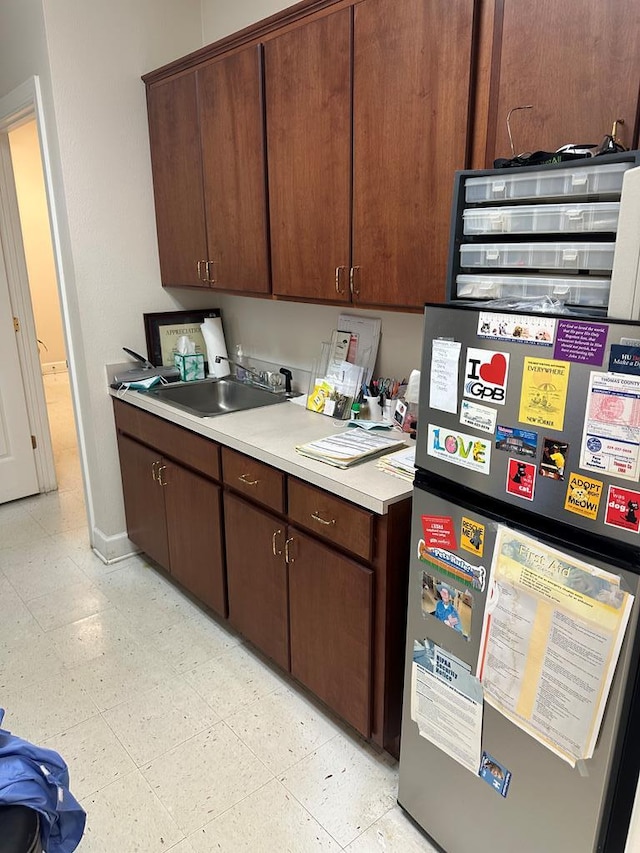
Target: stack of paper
[400, 464]
[347, 448]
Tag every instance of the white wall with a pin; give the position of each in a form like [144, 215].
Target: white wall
[222, 17]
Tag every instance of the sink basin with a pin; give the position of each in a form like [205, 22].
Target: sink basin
[210, 397]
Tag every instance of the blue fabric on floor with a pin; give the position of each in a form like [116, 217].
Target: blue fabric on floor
[38, 778]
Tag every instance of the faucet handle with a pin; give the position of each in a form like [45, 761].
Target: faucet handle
[287, 379]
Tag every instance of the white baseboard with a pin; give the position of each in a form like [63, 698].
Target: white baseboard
[112, 549]
[54, 367]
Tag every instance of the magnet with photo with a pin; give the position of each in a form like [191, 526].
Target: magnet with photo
[495, 774]
[554, 458]
[623, 509]
[449, 605]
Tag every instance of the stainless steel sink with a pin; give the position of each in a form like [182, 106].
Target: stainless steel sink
[209, 397]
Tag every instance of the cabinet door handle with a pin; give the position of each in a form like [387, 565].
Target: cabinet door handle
[339, 289]
[355, 291]
[274, 546]
[209, 265]
[160, 470]
[244, 478]
[287, 553]
[317, 517]
[154, 469]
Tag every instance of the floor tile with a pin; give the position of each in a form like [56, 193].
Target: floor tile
[92, 637]
[269, 820]
[121, 673]
[16, 621]
[205, 776]
[233, 680]
[42, 578]
[46, 708]
[182, 847]
[153, 722]
[93, 754]
[191, 642]
[393, 831]
[32, 660]
[58, 511]
[36, 552]
[345, 785]
[282, 728]
[126, 816]
[18, 528]
[68, 604]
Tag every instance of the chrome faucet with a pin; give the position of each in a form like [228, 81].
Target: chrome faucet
[258, 378]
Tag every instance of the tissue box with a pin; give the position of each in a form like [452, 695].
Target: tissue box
[190, 366]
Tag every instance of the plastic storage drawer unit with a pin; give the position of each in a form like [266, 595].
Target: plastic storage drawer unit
[605, 179]
[583, 291]
[550, 256]
[542, 218]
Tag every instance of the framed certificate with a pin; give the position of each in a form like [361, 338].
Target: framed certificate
[164, 329]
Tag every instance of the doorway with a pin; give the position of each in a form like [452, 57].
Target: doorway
[35, 227]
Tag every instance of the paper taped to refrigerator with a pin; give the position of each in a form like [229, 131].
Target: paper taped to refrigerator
[446, 703]
[551, 638]
[443, 384]
[611, 437]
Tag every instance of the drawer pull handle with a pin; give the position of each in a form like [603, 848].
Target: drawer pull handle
[316, 517]
[154, 470]
[244, 478]
[274, 547]
[160, 470]
[287, 553]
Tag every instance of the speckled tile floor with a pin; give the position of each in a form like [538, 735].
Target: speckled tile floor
[178, 736]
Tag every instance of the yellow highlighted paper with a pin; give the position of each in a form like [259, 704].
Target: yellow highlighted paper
[544, 393]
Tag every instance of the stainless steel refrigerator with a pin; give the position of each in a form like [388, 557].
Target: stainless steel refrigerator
[528, 437]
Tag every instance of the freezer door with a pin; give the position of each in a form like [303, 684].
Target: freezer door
[549, 806]
[519, 389]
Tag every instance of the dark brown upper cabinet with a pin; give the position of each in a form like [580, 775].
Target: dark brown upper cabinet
[308, 98]
[176, 161]
[208, 158]
[367, 121]
[577, 63]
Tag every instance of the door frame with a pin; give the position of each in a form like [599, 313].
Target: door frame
[19, 106]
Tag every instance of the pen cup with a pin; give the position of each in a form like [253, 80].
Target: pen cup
[389, 409]
[375, 409]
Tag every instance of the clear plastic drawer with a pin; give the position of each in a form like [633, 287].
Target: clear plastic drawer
[568, 256]
[543, 219]
[574, 291]
[550, 183]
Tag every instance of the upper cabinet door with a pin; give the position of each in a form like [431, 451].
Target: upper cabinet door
[174, 134]
[412, 72]
[308, 94]
[577, 63]
[233, 156]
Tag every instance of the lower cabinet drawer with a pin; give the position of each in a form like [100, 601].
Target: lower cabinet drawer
[254, 479]
[180, 444]
[334, 519]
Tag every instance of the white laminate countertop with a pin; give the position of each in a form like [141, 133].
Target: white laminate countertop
[270, 434]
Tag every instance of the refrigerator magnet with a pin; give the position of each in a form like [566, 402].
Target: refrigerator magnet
[438, 530]
[554, 458]
[485, 375]
[472, 536]
[583, 496]
[521, 479]
[623, 509]
[495, 774]
[453, 607]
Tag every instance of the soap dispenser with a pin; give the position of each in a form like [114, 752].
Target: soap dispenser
[241, 373]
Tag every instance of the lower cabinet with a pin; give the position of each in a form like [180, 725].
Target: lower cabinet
[173, 514]
[144, 499]
[331, 612]
[257, 577]
[315, 582]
